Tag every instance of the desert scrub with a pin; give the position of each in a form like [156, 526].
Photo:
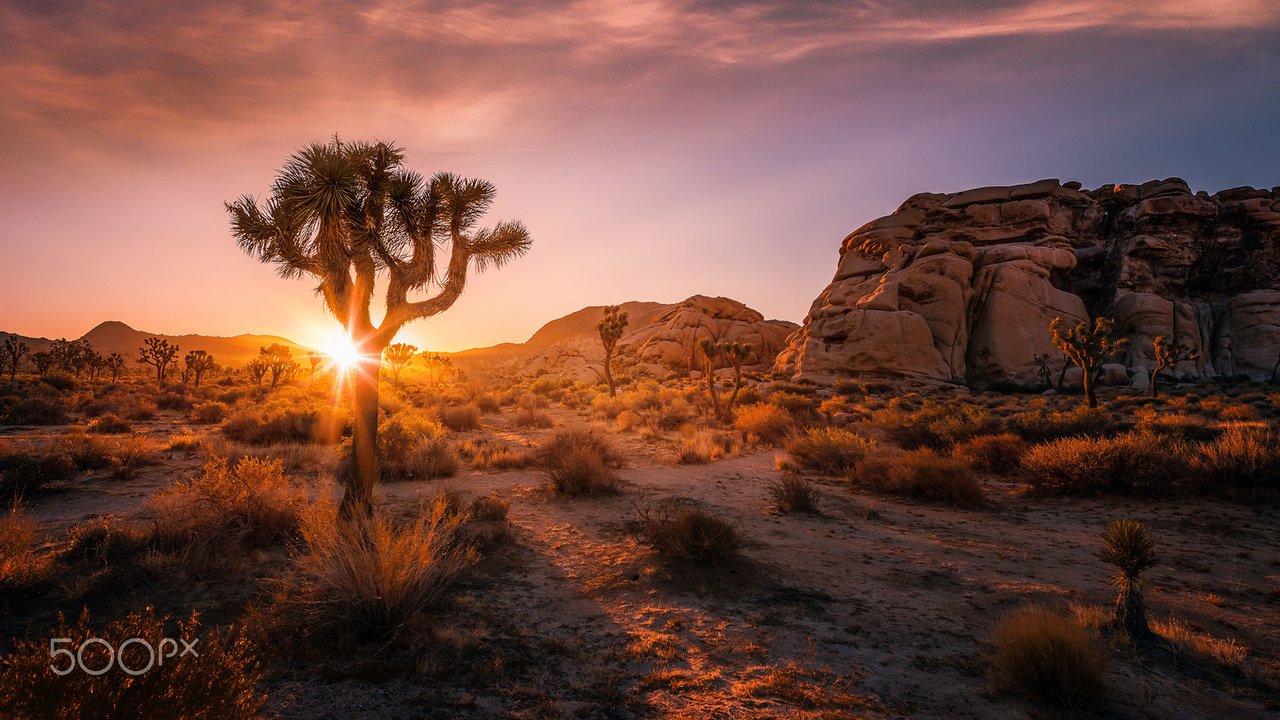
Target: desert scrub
[794, 494]
[999, 454]
[23, 473]
[19, 563]
[763, 423]
[828, 450]
[921, 473]
[1243, 458]
[32, 411]
[799, 406]
[274, 425]
[1130, 463]
[130, 455]
[1039, 426]
[461, 417]
[489, 508]
[681, 531]
[1047, 657]
[581, 462]
[208, 413]
[87, 452]
[109, 424]
[218, 681]
[938, 426]
[531, 412]
[487, 452]
[373, 575]
[701, 446]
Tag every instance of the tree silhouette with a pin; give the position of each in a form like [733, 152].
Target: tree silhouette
[43, 362]
[279, 361]
[114, 364]
[198, 363]
[1088, 347]
[257, 369]
[438, 366]
[159, 353]
[398, 356]
[347, 212]
[315, 359]
[1168, 355]
[610, 328]
[71, 356]
[94, 362]
[710, 353]
[737, 353]
[12, 352]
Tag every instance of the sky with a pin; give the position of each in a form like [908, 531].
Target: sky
[655, 149]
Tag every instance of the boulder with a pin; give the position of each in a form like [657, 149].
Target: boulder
[1114, 374]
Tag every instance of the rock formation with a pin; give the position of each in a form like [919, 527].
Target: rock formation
[660, 339]
[964, 285]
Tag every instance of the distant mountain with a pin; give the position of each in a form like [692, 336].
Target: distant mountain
[577, 324]
[114, 336]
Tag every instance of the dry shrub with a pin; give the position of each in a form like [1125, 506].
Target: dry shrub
[19, 563]
[485, 452]
[86, 452]
[531, 413]
[33, 411]
[627, 420]
[490, 508]
[702, 446]
[1244, 457]
[24, 473]
[1187, 642]
[797, 405]
[828, 450]
[488, 403]
[373, 575]
[109, 424]
[992, 453]
[296, 457]
[1049, 658]
[410, 447]
[209, 413]
[581, 462]
[131, 455]
[686, 532]
[764, 423]
[461, 417]
[936, 425]
[1239, 413]
[1039, 426]
[794, 494]
[921, 473]
[1175, 426]
[283, 422]
[219, 680]
[1128, 463]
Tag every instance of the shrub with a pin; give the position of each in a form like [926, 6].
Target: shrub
[141, 411]
[921, 473]
[219, 680]
[936, 426]
[63, 383]
[686, 532]
[460, 418]
[531, 413]
[34, 411]
[581, 462]
[796, 405]
[1129, 463]
[23, 474]
[86, 452]
[490, 508]
[1047, 657]
[1244, 457]
[1175, 426]
[703, 446]
[209, 413]
[173, 401]
[110, 424]
[282, 424]
[992, 453]
[1039, 426]
[370, 574]
[488, 403]
[764, 423]
[794, 494]
[130, 455]
[19, 563]
[412, 447]
[828, 450]
[487, 452]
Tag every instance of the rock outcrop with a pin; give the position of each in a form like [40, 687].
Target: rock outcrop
[964, 285]
[660, 339]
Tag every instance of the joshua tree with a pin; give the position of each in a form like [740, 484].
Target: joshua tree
[438, 366]
[347, 212]
[710, 353]
[610, 328]
[94, 363]
[1087, 347]
[315, 358]
[43, 361]
[160, 353]
[1128, 545]
[71, 356]
[279, 361]
[12, 352]
[399, 355]
[1168, 355]
[198, 363]
[114, 365]
[737, 354]
[257, 369]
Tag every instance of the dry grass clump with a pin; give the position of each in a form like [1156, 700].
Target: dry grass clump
[794, 494]
[109, 424]
[921, 473]
[1188, 643]
[531, 413]
[686, 532]
[581, 462]
[1047, 657]
[490, 508]
[1041, 425]
[701, 446]
[488, 403]
[764, 423]
[131, 455]
[1176, 426]
[828, 450]
[797, 405]
[24, 472]
[86, 451]
[268, 426]
[410, 447]
[934, 425]
[1128, 463]
[1243, 458]
[486, 452]
[218, 680]
[461, 417]
[19, 564]
[811, 689]
[209, 413]
[992, 453]
[373, 575]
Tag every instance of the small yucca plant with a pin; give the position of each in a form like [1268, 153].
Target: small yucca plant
[1129, 546]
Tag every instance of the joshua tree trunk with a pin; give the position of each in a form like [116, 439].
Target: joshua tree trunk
[357, 500]
[711, 388]
[1131, 613]
[608, 373]
[1155, 390]
[737, 388]
[1062, 376]
[1090, 398]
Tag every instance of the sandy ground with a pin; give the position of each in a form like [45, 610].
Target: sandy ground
[879, 607]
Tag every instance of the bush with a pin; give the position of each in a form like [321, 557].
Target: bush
[375, 576]
[488, 403]
[936, 426]
[992, 453]
[828, 450]
[411, 447]
[1244, 457]
[130, 455]
[1049, 658]
[63, 383]
[463, 417]
[795, 404]
[34, 411]
[19, 563]
[110, 424]
[23, 474]
[794, 494]
[702, 446]
[490, 508]
[686, 532]
[173, 401]
[209, 413]
[581, 462]
[764, 423]
[277, 425]
[921, 473]
[1129, 463]
[1040, 426]
[485, 452]
[86, 452]
[219, 680]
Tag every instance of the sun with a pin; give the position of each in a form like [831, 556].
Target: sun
[341, 351]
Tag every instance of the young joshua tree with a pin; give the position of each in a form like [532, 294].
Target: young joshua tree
[94, 362]
[737, 354]
[12, 353]
[198, 363]
[398, 355]
[1128, 545]
[114, 364]
[610, 328]
[279, 362]
[346, 213]
[159, 353]
[43, 362]
[1168, 355]
[1087, 347]
[437, 365]
[710, 352]
[315, 359]
[256, 369]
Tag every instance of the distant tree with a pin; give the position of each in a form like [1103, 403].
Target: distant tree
[315, 359]
[1087, 347]
[737, 353]
[199, 362]
[610, 328]
[256, 369]
[159, 353]
[43, 362]
[345, 212]
[1042, 369]
[11, 353]
[71, 356]
[398, 356]
[438, 367]
[114, 364]
[279, 361]
[710, 353]
[94, 362]
[1168, 355]
[1128, 545]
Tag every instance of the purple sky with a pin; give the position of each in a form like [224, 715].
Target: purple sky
[654, 149]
